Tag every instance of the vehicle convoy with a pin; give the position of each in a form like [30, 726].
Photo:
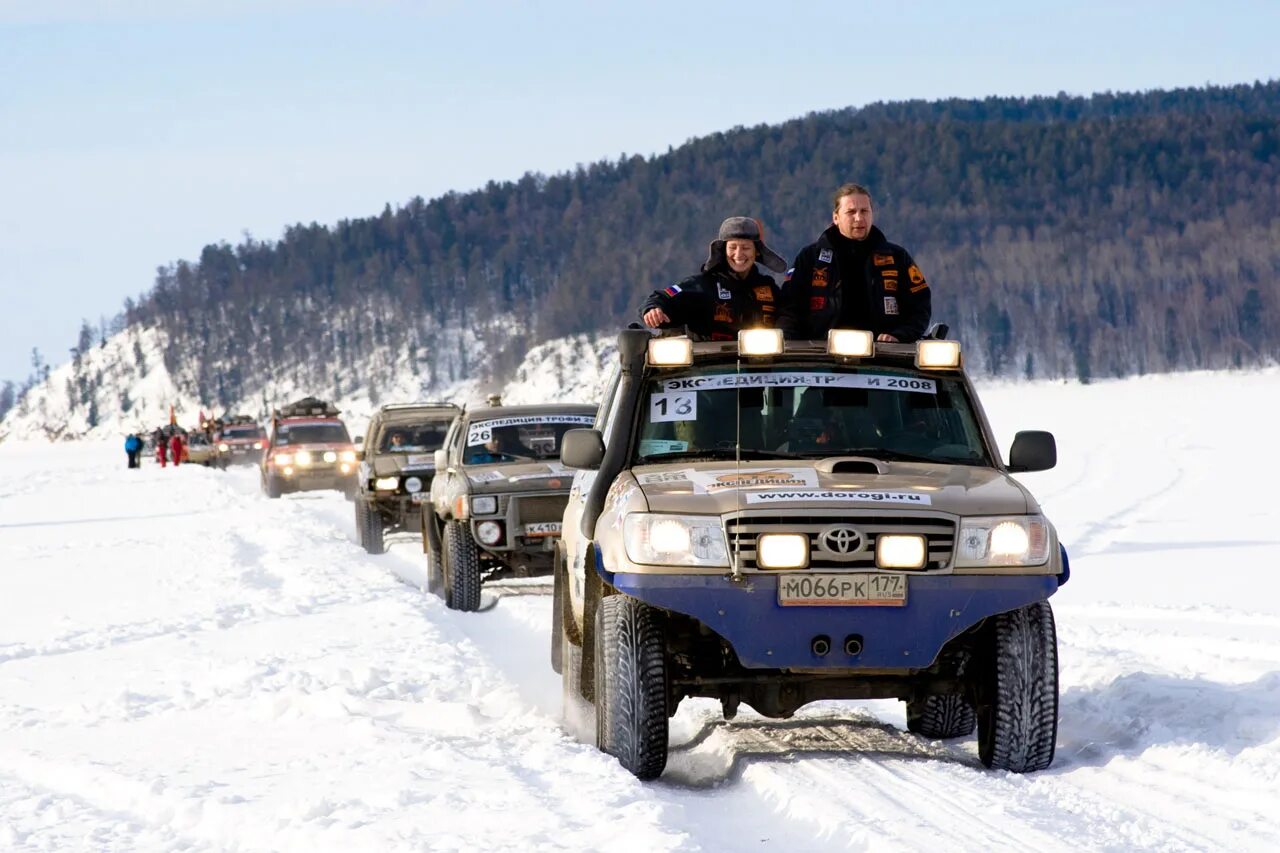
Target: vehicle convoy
[239, 440]
[776, 524]
[309, 449]
[397, 464]
[199, 450]
[497, 498]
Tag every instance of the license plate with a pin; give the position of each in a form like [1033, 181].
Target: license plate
[420, 497]
[544, 528]
[854, 589]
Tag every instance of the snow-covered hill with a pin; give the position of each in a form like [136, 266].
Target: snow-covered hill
[187, 665]
[123, 386]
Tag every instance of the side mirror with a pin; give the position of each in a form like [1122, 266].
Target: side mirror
[582, 448]
[1033, 450]
[440, 458]
[359, 439]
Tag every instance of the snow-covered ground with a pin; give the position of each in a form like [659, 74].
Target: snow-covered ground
[187, 665]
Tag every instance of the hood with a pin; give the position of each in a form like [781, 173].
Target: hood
[837, 482]
[508, 477]
[418, 463]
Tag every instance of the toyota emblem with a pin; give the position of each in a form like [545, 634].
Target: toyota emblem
[840, 540]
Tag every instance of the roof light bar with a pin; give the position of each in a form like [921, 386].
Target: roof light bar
[670, 352]
[937, 354]
[851, 343]
[758, 342]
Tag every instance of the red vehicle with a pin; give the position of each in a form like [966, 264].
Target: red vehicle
[309, 449]
[239, 442]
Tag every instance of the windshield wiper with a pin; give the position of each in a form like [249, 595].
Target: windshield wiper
[719, 453]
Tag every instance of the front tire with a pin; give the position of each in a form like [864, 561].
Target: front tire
[435, 570]
[372, 529]
[1018, 711]
[944, 715]
[461, 568]
[273, 488]
[631, 685]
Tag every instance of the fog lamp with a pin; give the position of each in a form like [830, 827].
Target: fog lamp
[758, 342]
[489, 532]
[782, 551]
[851, 343]
[937, 354]
[670, 352]
[901, 551]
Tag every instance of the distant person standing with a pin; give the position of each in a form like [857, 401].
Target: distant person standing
[852, 277]
[133, 449]
[162, 447]
[175, 448]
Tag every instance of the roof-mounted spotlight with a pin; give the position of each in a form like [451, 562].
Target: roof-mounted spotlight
[670, 352]
[760, 342]
[937, 354]
[851, 343]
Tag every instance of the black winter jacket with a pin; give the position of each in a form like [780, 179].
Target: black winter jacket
[714, 305]
[817, 296]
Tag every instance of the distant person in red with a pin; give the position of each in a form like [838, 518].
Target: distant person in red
[175, 448]
[162, 447]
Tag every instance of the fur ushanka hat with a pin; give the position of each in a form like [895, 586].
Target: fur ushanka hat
[743, 228]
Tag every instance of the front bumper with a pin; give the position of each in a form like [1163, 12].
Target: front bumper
[767, 635]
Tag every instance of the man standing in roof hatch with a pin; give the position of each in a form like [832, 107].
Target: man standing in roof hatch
[852, 277]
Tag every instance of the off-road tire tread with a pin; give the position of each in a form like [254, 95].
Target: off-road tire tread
[1020, 726]
[461, 568]
[373, 542]
[631, 705]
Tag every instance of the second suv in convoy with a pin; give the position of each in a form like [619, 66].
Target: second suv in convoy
[497, 498]
[397, 464]
[239, 441]
[776, 524]
[309, 449]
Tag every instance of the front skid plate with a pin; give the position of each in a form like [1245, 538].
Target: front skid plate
[766, 635]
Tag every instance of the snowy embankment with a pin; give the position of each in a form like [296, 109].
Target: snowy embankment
[185, 664]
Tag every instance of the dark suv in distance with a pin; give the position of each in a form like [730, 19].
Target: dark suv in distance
[397, 465]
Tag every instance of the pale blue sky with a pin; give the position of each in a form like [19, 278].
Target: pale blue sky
[133, 133]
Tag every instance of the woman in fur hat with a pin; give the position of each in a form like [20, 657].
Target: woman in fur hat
[731, 293]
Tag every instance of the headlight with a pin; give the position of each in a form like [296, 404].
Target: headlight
[489, 532]
[675, 540]
[347, 456]
[283, 458]
[484, 504]
[330, 456]
[1003, 540]
[782, 551]
[901, 551]
[303, 457]
[412, 485]
[257, 445]
[387, 483]
[224, 447]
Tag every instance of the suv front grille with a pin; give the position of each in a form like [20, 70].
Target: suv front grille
[536, 508]
[850, 537]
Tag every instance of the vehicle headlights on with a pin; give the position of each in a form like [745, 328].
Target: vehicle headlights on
[224, 447]
[1003, 540]
[412, 485]
[782, 551]
[257, 445]
[387, 483]
[330, 456]
[283, 458]
[901, 551]
[346, 456]
[303, 457]
[484, 504]
[674, 540]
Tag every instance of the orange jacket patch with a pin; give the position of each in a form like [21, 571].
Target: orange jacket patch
[764, 293]
[882, 260]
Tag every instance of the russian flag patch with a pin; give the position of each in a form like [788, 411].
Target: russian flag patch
[672, 290]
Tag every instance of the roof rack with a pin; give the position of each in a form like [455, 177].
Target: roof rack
[389, 407]
[307, 406]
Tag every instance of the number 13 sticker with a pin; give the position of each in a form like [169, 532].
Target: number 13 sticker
[673, 407]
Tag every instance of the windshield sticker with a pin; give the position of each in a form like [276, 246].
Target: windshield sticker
[664, 477]
[481, 431]
[486, 476]
[673, 407]
[721, 381]
[910, 498]
[714, 482]
[653, 446]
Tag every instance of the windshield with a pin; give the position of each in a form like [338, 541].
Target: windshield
[312, 434]
[808, 411]
[519, 438]
[413, 438]
[242, 432]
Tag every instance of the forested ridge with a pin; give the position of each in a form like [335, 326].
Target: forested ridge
[1063, 236]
